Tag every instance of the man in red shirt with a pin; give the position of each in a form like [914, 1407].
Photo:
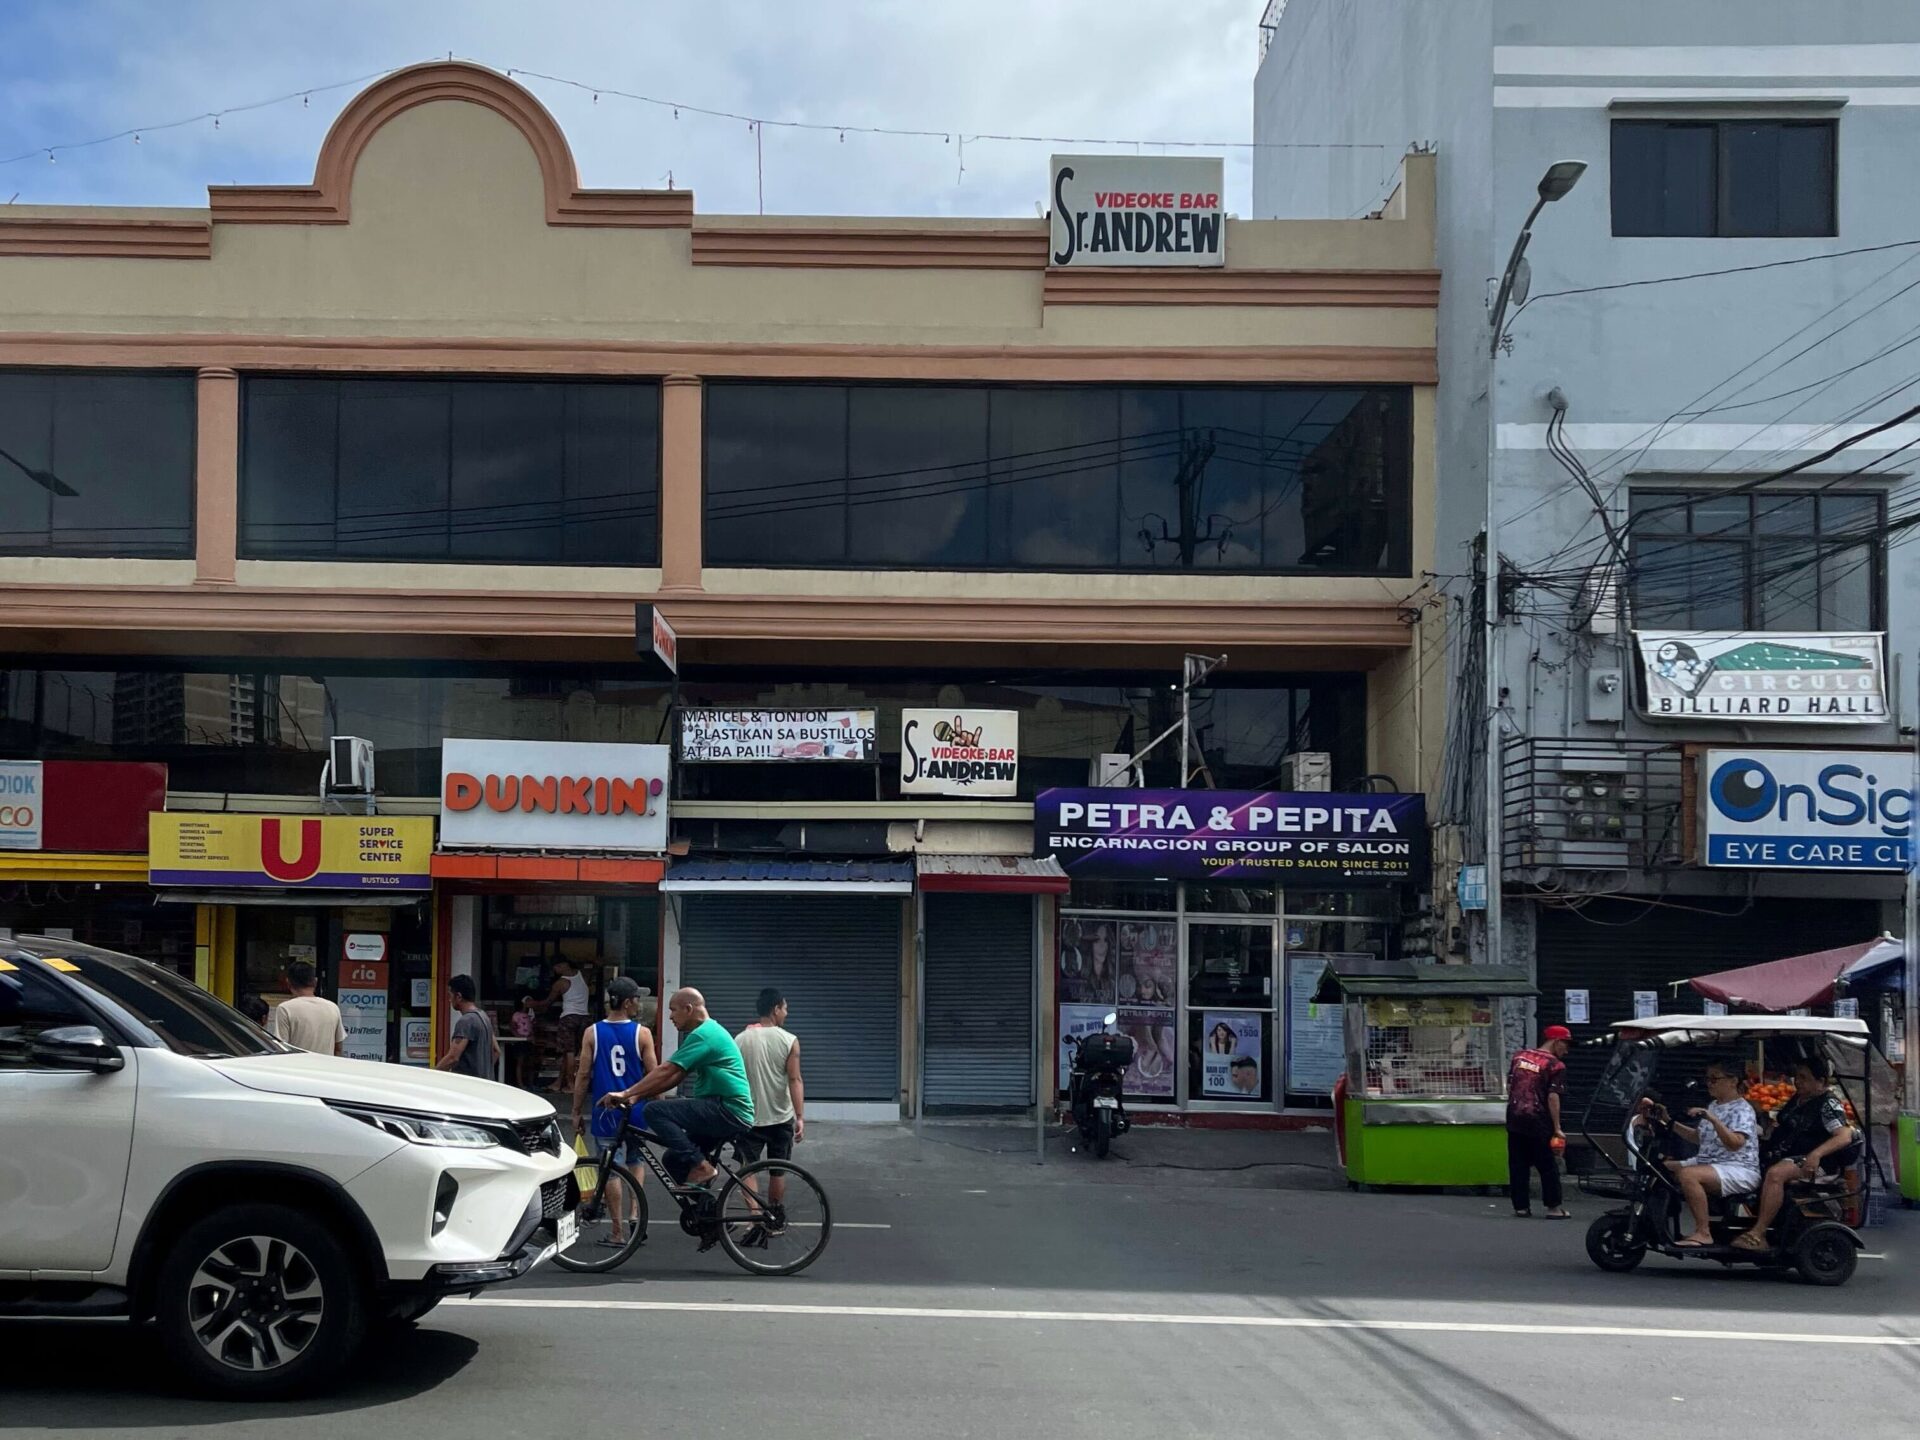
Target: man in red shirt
[1536, 1080]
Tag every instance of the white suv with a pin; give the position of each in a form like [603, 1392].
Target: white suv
[163, 1159]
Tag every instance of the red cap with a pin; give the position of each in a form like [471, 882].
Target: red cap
[1556, 1032]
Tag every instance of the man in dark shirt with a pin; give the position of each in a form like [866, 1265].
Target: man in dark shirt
[473, 1049]
[1536, 1080]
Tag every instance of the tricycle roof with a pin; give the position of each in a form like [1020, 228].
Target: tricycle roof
[1745, 1025]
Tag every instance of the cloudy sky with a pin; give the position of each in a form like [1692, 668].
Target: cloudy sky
[72, 71]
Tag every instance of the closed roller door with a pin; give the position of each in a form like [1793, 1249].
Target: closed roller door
[1666, 945]
[979, 1002]
[837, 960]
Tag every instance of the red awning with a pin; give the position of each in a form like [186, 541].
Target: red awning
[1798, 982]
[493, 866]
[991, 875]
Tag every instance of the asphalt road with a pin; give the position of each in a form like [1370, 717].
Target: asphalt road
[975, 1294]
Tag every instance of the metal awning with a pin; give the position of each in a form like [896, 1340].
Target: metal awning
[789, 877]
[1358, 976]
[326, 899]
[991, 875]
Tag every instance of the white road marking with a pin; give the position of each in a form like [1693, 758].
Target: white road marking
[1253, 1322]
[668, 1222]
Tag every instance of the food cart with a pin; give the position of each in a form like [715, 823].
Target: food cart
[1422, 1101]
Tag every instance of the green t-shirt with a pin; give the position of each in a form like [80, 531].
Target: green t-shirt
[714, 1069]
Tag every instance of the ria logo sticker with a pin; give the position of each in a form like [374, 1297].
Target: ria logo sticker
[1808, 809]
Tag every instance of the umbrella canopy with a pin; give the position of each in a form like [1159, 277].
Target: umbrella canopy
[1795, 983]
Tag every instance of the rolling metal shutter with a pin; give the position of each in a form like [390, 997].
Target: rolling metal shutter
[1662, 945]
[837, 960]
[979, 1002]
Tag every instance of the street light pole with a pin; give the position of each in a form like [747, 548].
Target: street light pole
[1560, 178]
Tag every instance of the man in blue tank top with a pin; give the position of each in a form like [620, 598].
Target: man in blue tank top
[614, 1054]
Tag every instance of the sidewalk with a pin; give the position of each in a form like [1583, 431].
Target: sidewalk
[1157, 1155]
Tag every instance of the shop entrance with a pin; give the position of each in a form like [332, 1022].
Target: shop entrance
[374, 961]
[1233, 1047]
[979, 1003]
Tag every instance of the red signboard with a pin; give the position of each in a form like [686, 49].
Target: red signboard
[100, 806]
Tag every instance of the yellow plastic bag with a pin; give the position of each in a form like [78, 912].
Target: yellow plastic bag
[585, 1174]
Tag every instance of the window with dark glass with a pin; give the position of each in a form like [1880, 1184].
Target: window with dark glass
[264, 730]
[508, 471]
[1724, 177]
[1261, 480]
[96, 464]
[1765, 560]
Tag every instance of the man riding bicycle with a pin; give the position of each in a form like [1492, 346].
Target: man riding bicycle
[718, 1105]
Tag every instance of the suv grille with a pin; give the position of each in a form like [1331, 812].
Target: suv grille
[553, 1199]
[532, 1136]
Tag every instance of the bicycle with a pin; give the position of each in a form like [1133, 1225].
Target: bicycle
[771, 1217]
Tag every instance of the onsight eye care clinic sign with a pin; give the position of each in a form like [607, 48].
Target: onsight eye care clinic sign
[302, 852]
[1136, 210]
[1807, 809]
[1805, 679]
[1231, 836]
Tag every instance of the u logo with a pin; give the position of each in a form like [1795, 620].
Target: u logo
[273, 853]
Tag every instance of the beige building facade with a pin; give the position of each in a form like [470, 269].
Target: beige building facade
[856, 463]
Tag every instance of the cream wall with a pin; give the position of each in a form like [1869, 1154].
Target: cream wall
[450, 240]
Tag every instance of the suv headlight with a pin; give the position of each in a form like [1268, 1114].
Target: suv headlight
[423, 1129]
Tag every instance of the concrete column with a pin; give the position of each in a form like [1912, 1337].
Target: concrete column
[216, 508]
[680, 451]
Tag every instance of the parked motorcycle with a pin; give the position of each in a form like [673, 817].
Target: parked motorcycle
[1100, 1062]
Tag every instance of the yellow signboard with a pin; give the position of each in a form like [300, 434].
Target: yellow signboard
[300, 852]
[1396, 1012]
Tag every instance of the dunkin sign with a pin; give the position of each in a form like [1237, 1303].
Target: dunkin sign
[532, 795]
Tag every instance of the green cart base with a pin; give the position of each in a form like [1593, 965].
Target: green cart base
[1426, 1142]
[1909, 1159]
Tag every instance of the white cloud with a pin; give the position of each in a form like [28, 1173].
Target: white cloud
[1178, 69]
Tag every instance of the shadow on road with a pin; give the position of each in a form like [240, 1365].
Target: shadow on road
[81, 1376]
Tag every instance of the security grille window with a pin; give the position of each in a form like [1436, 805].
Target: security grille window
[526, 472]
[96, 464]
[1724, 177]
[1252, 480]
[1768, 560]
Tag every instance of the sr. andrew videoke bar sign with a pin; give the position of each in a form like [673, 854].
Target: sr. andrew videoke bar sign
[1232, 836]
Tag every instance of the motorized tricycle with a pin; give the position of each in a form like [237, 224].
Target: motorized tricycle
[1099, 1073]
[1649, 1085]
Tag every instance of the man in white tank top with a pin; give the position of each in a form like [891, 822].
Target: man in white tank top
[571, 993]
[772, 1056]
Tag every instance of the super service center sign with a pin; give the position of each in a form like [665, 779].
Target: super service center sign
[1807, 809]
[330, 852]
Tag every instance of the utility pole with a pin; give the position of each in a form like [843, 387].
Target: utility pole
[1560, 178]
[1910, 941]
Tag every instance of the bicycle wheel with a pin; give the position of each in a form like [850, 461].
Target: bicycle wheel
[619, 1197]
[774, 1218]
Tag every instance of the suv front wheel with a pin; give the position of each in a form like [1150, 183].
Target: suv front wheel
[260, 1300]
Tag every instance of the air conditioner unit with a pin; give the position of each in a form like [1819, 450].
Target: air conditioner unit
[1109, 770]
[349, 766]
[1307, 770]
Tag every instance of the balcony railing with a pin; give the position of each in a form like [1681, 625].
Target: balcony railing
[1591, 805]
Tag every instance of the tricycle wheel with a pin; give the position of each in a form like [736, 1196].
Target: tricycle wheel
[1826, 1255]
[1612, 1243]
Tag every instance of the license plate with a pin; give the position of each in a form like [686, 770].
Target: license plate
[568, 1229]
[1105, 1102]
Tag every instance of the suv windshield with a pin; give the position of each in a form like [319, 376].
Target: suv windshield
[180, 1015]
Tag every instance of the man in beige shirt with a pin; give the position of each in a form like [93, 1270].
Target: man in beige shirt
[306, 1021]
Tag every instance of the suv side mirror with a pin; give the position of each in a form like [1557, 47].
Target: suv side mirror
[75, 1047]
